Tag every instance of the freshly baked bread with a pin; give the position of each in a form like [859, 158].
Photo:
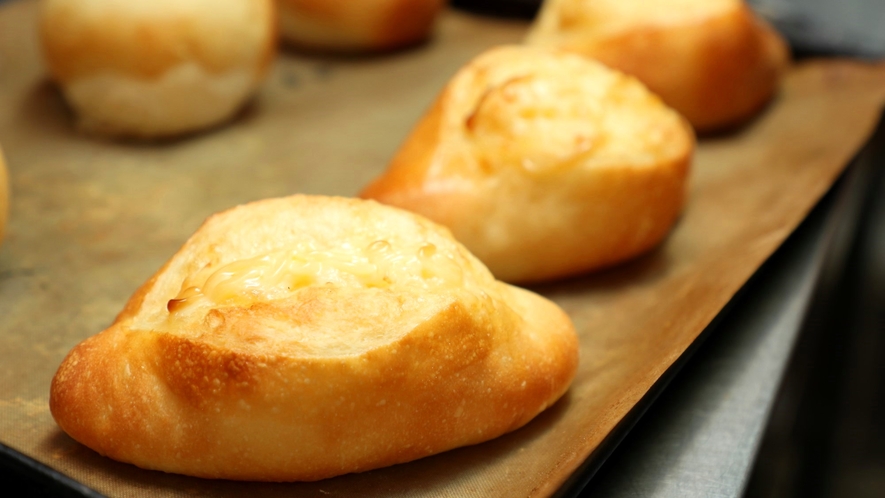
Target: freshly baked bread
[712, 60]
[154, 68]
[306, 337]
[544, 164]
[357, 25]
[4, 196]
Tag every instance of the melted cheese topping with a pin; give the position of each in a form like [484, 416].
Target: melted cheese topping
[534, 123]
[279, 274]
[544, 113]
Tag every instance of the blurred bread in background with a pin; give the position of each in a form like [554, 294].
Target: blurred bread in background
[156, 68]
[544, 164]
[357, 25]
[714, 61]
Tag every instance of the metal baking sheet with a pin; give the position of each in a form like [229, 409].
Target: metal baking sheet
[92, 219]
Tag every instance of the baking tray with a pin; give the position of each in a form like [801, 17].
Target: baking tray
[92, 219]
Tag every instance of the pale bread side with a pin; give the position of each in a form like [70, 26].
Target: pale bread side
[149, 69]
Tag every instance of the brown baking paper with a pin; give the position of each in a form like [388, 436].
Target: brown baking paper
[92, 219]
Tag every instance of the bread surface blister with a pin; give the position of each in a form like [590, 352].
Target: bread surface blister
[306, 337]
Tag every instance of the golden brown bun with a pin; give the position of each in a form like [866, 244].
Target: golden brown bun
[712, 60]
[310, 337]
[544, 164]
[4, 196]
[357, 25]
[153, 68]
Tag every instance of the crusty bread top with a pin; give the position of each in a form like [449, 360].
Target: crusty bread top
[4, 196]
[264, 254]
[145, 38]
[525, 110]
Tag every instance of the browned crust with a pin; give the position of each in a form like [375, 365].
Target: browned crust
[716, 70]
[406, 23]
[406, 173]
[196, 409]
[218, 401]
[587, 236]
[75, 46]
[364, 24]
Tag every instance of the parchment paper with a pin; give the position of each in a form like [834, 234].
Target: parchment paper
[91, 220]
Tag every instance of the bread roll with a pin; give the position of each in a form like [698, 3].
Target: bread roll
[155, 68]
[712, 60]
[306, 337]
[4, 196]
[357, 25]
[544, 164]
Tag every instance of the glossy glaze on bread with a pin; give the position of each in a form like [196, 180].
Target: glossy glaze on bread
[306, 337]
[357, 25]
[544, 164]
[714, 61]
[154, 68]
